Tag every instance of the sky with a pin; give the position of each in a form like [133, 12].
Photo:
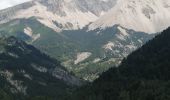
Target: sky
[8, 3]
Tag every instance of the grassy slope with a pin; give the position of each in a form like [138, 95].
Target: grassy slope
[143, 75]
[65, 46]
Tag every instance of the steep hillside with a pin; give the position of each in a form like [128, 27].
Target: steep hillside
[26, 71]
[149, 16]
[86, 53]
[86, 50]
[102, 49]
[143, 75]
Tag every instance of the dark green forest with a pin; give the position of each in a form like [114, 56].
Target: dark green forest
[143, 75]
[28, 74]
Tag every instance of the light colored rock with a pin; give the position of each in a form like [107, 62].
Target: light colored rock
[150, 16]
[82, 56]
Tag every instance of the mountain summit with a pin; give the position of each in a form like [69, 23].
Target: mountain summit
[59, 14]
[148, 16]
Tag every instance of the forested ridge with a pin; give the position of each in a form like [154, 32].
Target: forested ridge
[143, 75]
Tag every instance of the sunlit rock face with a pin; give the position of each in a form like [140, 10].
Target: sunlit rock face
[149, 16]
[59, 14]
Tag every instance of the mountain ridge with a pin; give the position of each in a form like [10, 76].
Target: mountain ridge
[86, 53]
[99, 49]
[62, 12]
[145, 16]
[24, 68]
[143, 75]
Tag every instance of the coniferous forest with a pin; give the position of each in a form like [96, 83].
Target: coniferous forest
[84, 50]
[143, 75]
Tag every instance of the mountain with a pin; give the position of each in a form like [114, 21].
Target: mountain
[149, 16]
[26, 72]
[59, 14]
[99, 50]
[143, 75]
[86, 51]
[87, 38]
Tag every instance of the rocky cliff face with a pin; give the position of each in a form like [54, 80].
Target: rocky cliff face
[149, 16]
[59, 14]
[94, 6]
